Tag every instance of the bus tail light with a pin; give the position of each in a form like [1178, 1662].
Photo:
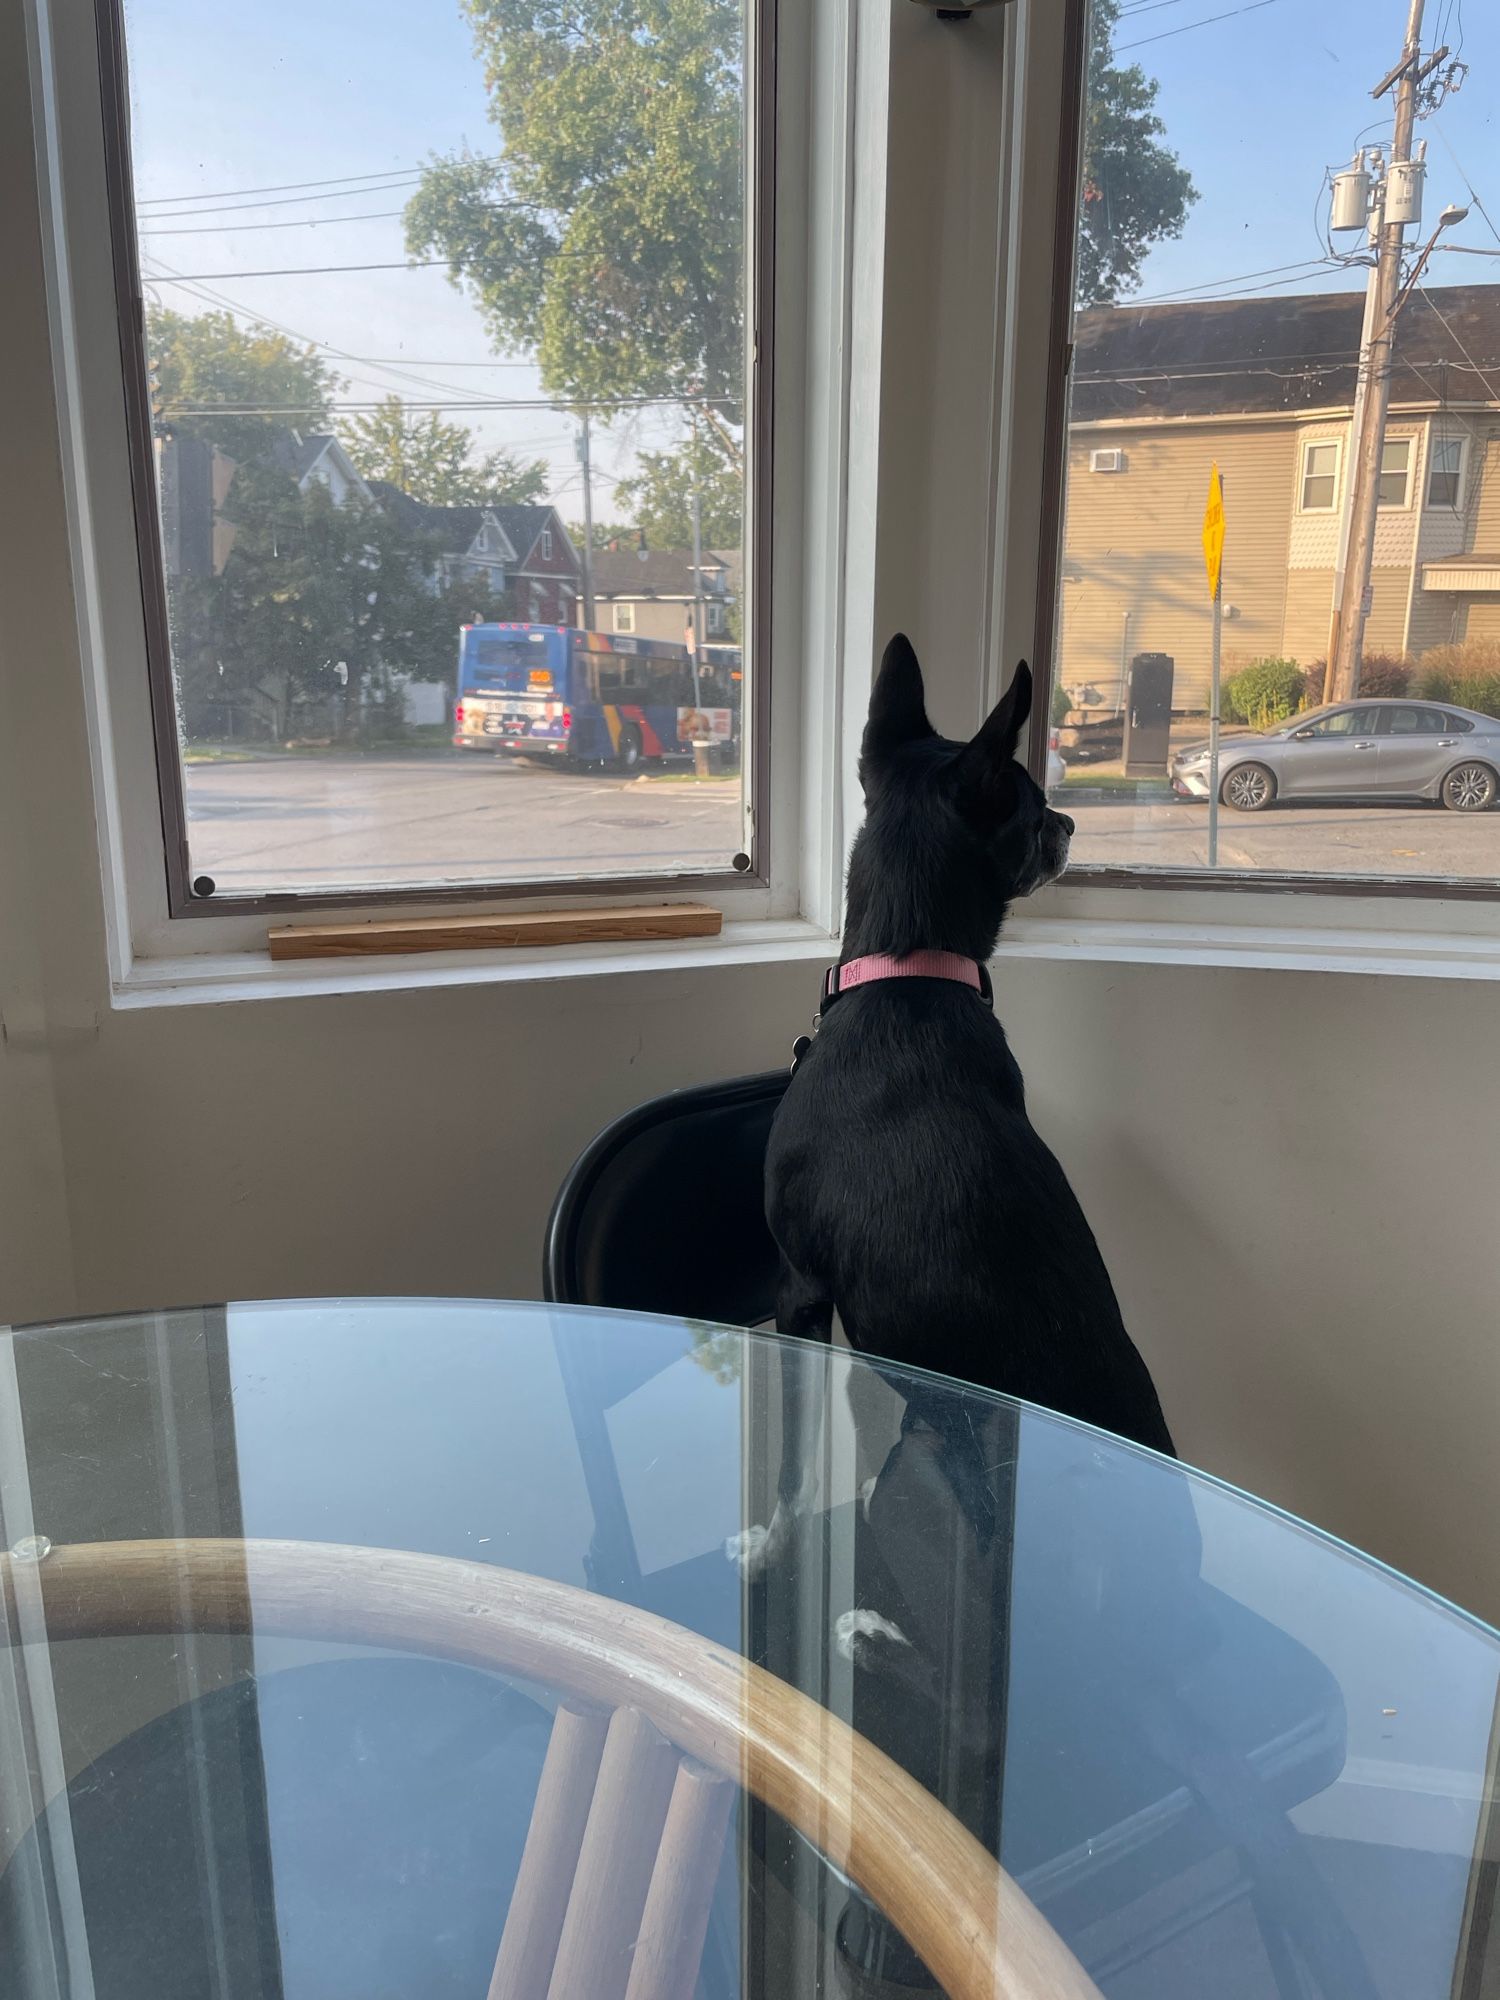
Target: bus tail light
[458, 714]
[567, 720]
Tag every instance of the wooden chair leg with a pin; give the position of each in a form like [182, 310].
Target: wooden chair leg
[675, 1921]
[549, 1862]
[615, 1862]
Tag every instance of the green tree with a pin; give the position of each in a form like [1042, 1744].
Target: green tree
[238, 387]
[606, 235]
[434, 460]
[659, 497]
[1134, 191]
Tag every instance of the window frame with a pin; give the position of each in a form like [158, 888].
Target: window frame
[1160, 900]
[546, 545]
[1403, 505]
[1310, 445]
[83, 107]
[1454, 506]
[624, 615]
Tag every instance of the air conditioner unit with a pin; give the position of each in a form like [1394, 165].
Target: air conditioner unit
[1107, 461]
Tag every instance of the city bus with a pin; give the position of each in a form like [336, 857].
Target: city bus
[592, 697]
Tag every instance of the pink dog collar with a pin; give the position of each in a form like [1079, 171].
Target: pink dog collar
[912, 965]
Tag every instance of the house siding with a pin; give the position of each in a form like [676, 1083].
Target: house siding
[1132, 546]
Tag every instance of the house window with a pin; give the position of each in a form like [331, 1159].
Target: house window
[1445, 459]
[714, 614]
[1395, 472]
[1163, 350]
[1320, 477]
[302, 600]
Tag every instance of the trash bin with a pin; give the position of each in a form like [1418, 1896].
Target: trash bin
[703, 747]
[1148, 715]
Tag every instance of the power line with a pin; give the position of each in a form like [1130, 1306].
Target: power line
[308, 271]
[290, 222]
[1468, 184]
[287, 187]
[553, 403]
[1307, 264]
[1453, 336]
[1208, 21]
[286, 201]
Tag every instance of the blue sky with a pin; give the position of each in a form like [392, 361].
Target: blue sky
[1256, 106]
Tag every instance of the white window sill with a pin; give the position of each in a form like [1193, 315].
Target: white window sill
[229, 977]
[1414, 954]
[1323, 941]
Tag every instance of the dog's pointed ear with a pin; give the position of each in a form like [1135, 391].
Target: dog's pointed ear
[898, 712]
[988, 758]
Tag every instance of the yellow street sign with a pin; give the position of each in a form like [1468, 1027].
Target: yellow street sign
[1213, 532]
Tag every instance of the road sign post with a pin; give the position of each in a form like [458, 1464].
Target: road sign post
[1213, 561]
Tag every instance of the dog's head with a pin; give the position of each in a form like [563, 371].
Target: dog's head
[953, 831]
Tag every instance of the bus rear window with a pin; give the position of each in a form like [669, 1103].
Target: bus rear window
[517, 665]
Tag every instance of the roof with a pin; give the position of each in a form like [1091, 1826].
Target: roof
[456, 527]
[631, 572]
[1218, 357]
[523, 524]
[298, 455]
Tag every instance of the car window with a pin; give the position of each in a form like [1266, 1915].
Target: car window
[1457, 724]
[1416, 722]
[1346, 722]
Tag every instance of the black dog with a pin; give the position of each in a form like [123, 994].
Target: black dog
[905, 1185]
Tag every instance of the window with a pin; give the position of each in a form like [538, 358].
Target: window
[1417, 722]
[314, 461]
[715, 618]
[1395, 472]
[1320, 477]
[1344, 722]
[1182, 360]
[1444, 464]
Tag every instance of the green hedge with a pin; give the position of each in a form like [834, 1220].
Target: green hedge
[1265, 692]
[1467, 675]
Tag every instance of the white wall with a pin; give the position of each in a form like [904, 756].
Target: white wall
[1294, 1176]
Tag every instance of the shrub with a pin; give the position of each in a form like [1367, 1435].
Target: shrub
[1266, 691]
[1062, 702]
[1468, 674]
[1380, 674]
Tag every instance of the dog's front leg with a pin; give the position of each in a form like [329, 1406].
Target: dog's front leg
[803, 1313]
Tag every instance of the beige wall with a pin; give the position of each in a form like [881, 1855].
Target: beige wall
[1132, 545]
[653, 619]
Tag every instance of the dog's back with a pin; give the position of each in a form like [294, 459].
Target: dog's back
[905, 1183]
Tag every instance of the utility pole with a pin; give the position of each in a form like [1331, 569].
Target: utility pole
[697, 571]
[1368, 444]
[588, 524]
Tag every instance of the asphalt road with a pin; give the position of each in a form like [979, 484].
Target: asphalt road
[306, 822]
[1348, 840]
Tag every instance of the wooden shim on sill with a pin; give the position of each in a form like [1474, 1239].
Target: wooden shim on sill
[620, 924]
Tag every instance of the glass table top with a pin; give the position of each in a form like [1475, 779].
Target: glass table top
[1216, 1751]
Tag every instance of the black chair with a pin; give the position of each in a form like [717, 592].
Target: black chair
[664, 1211]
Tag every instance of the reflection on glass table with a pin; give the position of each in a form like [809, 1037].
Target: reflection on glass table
[1212, 1749]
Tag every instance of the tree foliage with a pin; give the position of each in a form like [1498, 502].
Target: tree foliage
[607, 233]
[659, 497]
[434, 460]
[1134, 191]
[208, 363]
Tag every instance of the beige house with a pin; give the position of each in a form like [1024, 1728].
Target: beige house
[651, 593]
[1263, 388]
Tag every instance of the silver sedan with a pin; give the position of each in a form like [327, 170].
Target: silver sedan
[1353, 750]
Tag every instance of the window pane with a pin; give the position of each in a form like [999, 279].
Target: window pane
[1444, 465]
[386, 276]
[1395, 457]
[1188, 356]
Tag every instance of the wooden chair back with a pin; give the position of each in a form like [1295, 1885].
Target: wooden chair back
[657, 1728]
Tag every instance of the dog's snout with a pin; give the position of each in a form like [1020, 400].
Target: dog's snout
[1065, 823]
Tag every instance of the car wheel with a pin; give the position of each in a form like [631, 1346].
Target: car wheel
[1469, 788]
[628, 749]
[1248, 788]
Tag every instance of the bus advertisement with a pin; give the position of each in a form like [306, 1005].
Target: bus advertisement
[593, 697]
